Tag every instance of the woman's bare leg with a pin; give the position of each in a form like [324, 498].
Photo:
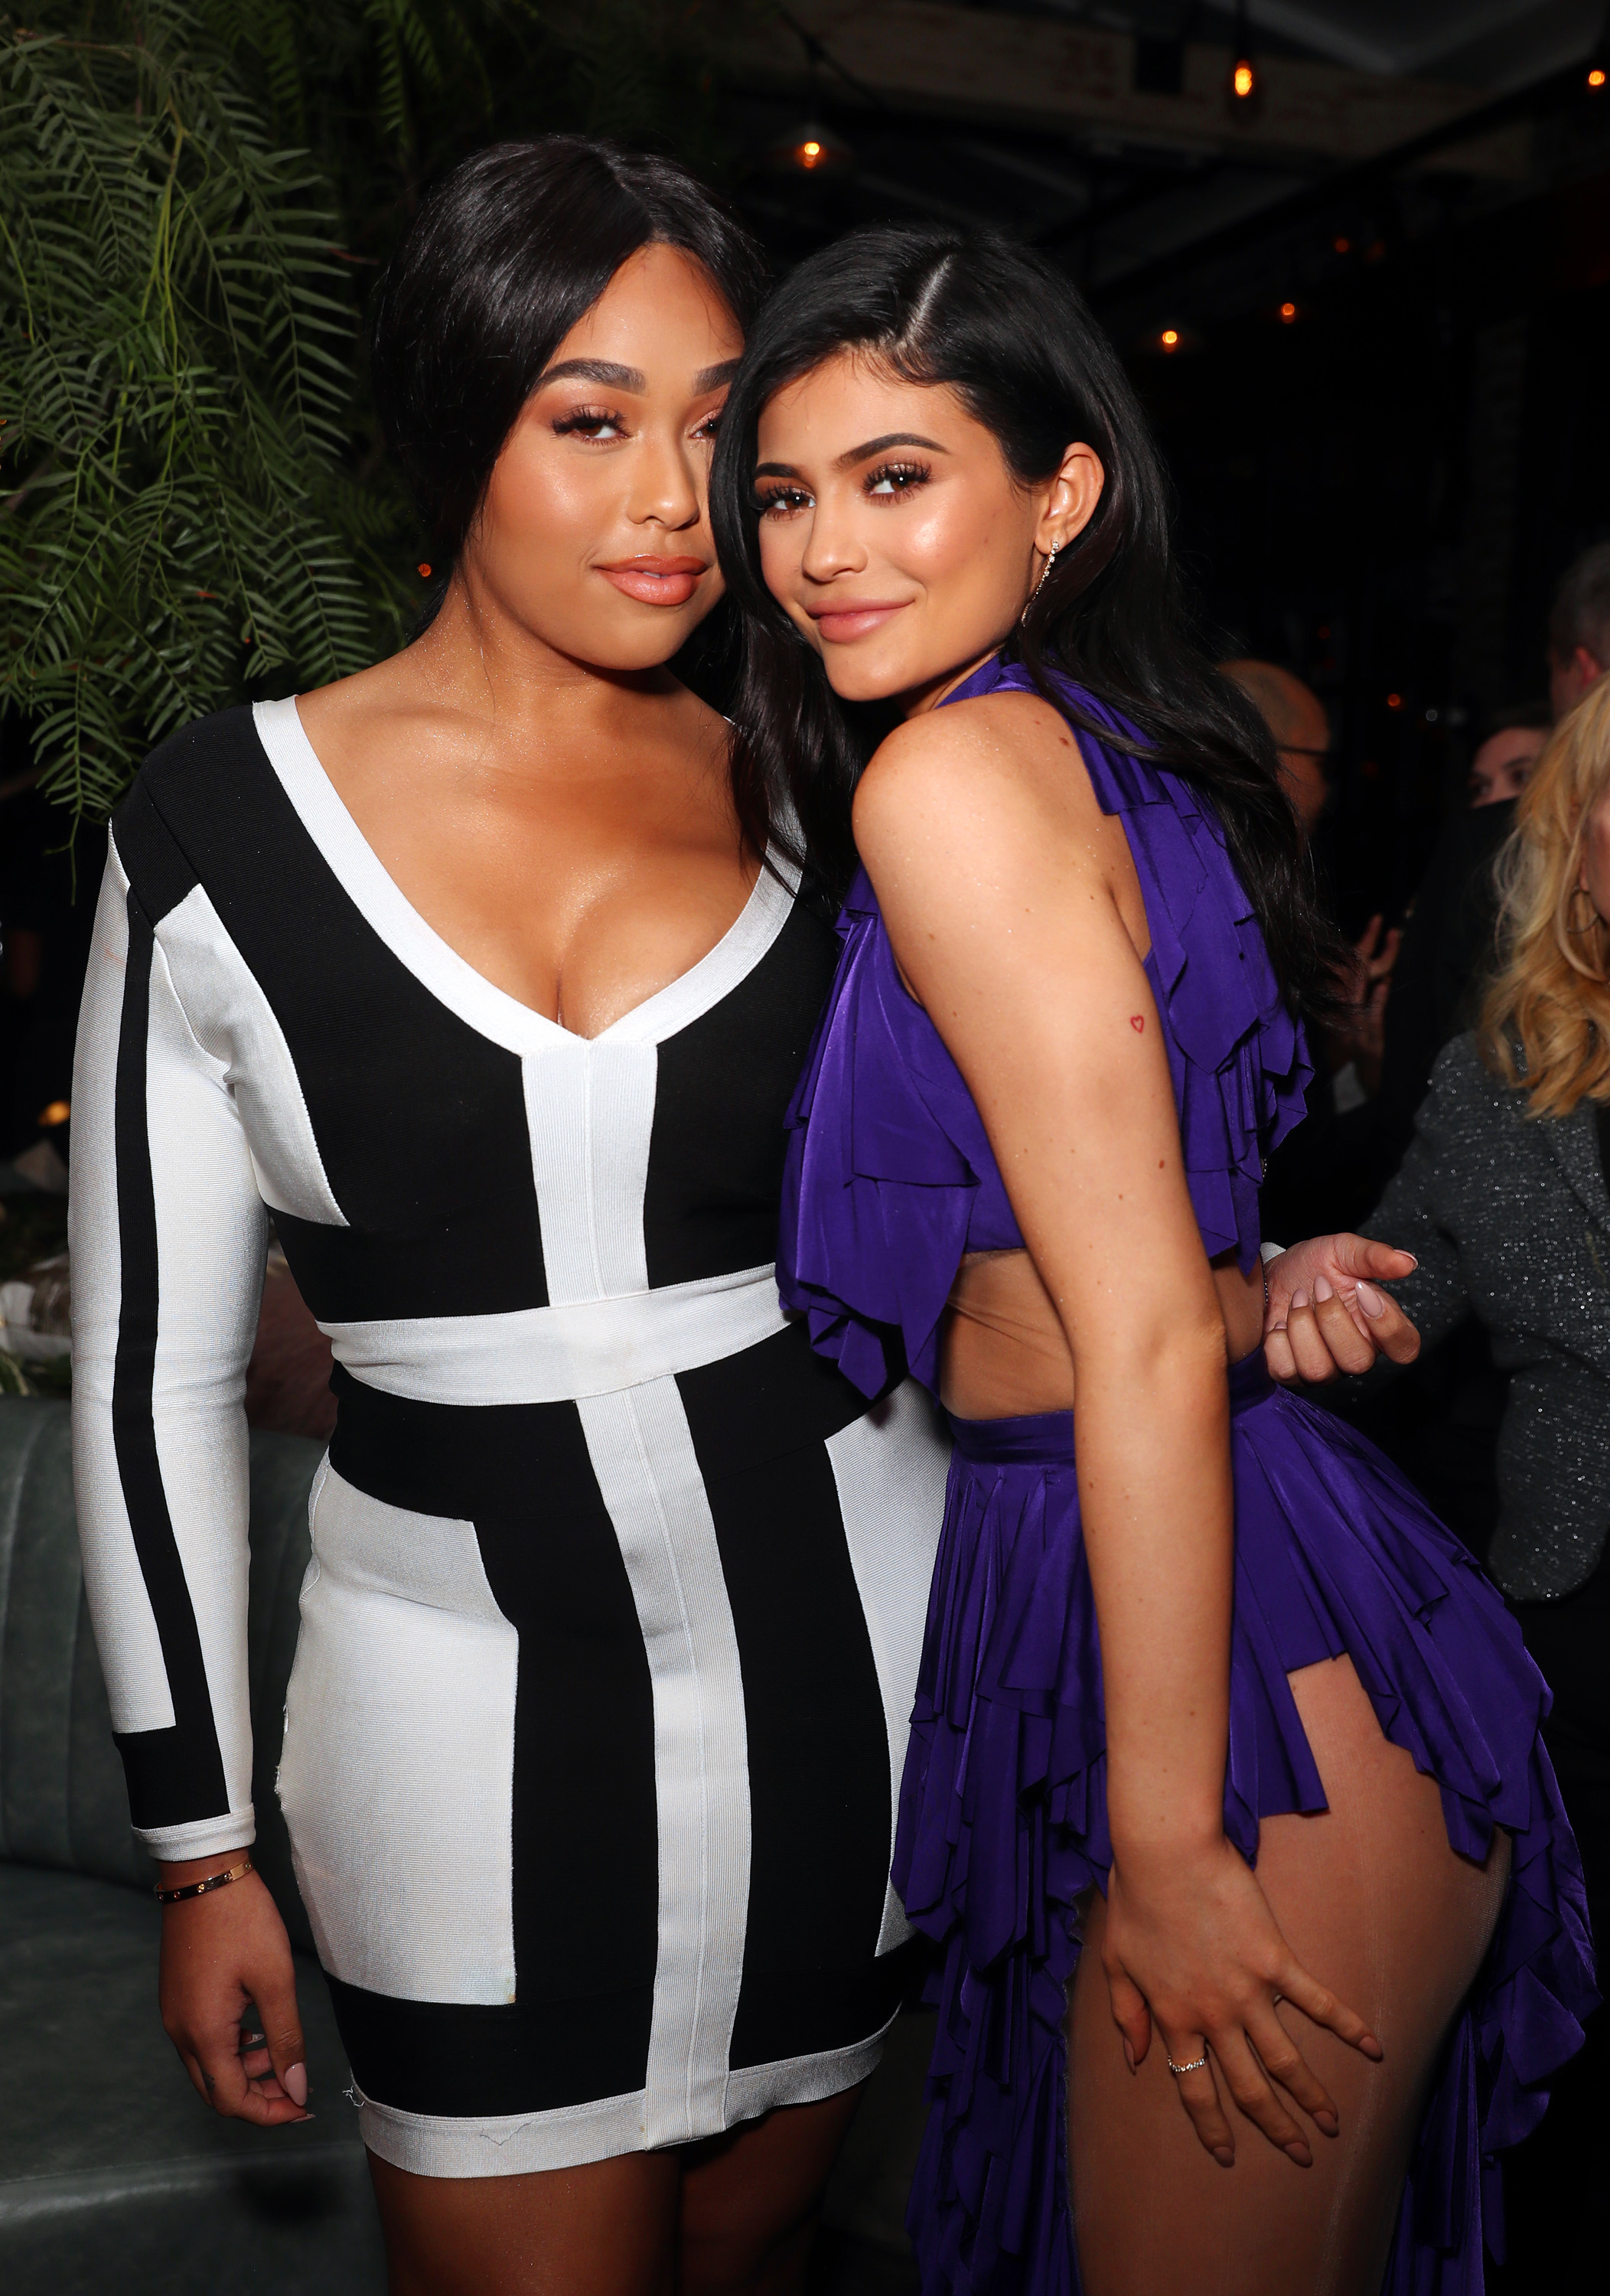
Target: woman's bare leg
[606, 2229]
[1376, 1904]
[730, 2217]
[750, 2199]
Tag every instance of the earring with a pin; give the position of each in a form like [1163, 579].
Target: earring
[1040, 584]
[1581, 893]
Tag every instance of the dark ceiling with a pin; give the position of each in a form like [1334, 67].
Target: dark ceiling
[1109, 135]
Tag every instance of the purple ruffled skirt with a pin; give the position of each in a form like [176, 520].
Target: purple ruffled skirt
[1003, 1815]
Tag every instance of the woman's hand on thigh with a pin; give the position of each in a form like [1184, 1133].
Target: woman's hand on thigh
[1190, 1945]
[228, 1997]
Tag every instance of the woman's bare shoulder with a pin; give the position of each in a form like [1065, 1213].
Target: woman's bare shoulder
[369, 704]
[999, 780]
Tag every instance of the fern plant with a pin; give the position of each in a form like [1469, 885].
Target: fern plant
[177, 328]
[193, 195]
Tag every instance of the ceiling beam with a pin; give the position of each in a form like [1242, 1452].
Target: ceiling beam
[935, 57]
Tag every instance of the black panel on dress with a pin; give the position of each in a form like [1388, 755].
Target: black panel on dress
[350, 1276]
[715, 1156]
[420, 1120]
[175, 1774]
[470, 2061]
[586, 1854]
[465, 1461]
[156, 869]
[818, 1755]
[749, 1408]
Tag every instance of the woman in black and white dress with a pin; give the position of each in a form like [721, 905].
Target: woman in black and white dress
[488, 975]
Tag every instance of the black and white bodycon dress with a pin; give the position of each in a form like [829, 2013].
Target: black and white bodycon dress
[611, 1633]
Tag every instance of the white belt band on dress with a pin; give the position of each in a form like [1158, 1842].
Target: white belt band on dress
[553, 1355]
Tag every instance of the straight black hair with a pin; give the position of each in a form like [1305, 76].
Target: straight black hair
[1014, 339]
[505, 255]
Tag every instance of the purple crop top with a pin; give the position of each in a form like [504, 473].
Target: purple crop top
[890, 1176]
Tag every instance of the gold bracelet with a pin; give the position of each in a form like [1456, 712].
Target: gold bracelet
[200, 1889]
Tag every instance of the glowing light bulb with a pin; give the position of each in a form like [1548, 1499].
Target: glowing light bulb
[1394, 702]
[1289, 312]
[1244, 80]
[1343, 246]
[1171, 339]
[424, 572]
[1595, 77]
[810, 153]
[56, 1114]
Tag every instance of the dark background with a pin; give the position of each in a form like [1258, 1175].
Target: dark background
[1379, 491]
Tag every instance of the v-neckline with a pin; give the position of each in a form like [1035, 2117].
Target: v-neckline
[451, 978]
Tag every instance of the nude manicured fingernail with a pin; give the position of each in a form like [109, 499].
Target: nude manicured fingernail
[1300, 2154]
[1371, 1301]
[1225, 2157]
[1299, 1298]
[1321, 1290]
[1329, 2122]
[295, 2084]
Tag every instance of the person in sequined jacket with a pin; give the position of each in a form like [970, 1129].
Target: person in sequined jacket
[1504, 1197]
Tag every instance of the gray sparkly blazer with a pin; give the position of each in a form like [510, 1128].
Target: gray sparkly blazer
[1510, 1219]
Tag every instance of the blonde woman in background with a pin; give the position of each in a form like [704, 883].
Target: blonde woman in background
[1504, 1198]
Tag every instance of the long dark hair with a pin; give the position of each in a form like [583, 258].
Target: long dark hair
[505, 255]
[1013, 338]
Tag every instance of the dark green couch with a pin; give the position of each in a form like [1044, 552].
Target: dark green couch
[112, 2172]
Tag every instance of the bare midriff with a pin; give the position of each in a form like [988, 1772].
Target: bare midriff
[1004, 1353]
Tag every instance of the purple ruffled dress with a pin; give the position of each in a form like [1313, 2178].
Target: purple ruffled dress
[1003, 1810]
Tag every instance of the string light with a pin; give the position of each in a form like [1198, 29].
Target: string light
[424, 573]
[810, 150]
[1289, 312]
[1597, 62]
[1171, 339]
[1243, 72]
[1342, 244]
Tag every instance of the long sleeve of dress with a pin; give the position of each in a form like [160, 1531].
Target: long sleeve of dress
[168, 1238]
[1415, 1214]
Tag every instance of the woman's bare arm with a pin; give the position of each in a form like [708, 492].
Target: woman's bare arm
[1006, 892]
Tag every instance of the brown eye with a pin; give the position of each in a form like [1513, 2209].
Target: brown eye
[898, 478]
[590, 423]
[785, 498]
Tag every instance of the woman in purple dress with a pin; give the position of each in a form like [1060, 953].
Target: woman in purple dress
[1225, 1790]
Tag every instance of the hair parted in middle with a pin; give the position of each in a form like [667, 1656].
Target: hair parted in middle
[507, 253]
[1014, 340]
[1545, 1025]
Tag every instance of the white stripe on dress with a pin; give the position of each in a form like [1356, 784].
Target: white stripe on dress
[397, 1777]
[556, 1355]
[890, 1467]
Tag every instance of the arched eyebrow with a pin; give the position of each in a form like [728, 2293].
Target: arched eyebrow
[853, 454]
[601, 370]
[613, 377]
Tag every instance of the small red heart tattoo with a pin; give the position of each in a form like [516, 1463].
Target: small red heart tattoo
[1137, 1022]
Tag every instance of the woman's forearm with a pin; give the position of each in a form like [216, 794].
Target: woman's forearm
[1159, 1539]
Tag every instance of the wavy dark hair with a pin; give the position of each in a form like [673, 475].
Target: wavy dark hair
[1014, 341]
